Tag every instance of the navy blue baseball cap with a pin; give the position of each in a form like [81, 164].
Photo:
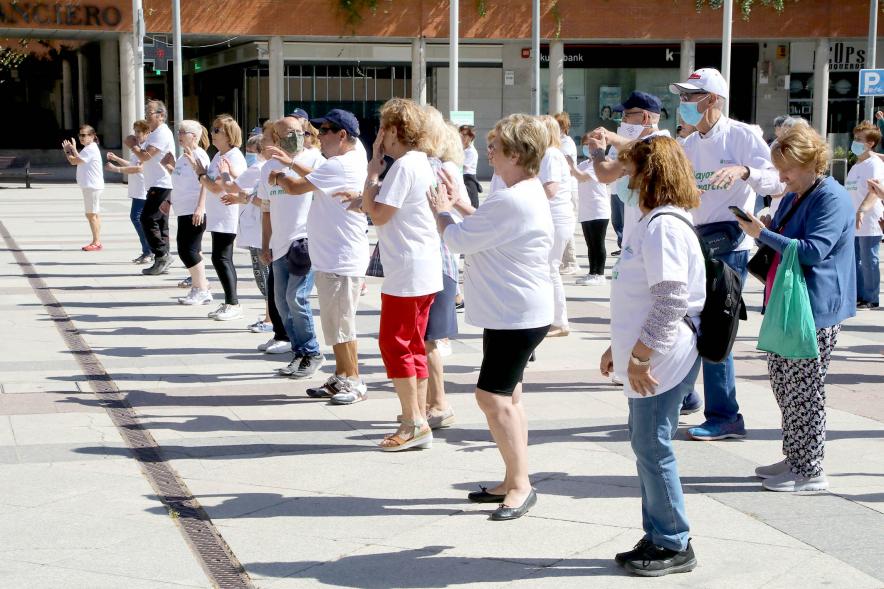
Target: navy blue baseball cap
[299, 113]
[346, 120]
[641, 100]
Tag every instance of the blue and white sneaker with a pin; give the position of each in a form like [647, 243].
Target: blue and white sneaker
[709, 432]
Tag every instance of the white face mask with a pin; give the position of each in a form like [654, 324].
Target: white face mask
[630, 131]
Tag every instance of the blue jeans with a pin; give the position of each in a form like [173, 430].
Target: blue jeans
[617, 218]
[868, 274]
[653, 421]
[135, 217]
[719, 380]
[292, 300]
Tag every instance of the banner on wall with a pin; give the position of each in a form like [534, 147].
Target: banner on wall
[609, 97]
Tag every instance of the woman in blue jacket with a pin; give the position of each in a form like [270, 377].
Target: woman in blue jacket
[822, 223]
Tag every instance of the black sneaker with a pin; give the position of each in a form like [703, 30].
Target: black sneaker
[615, 254]
[656, 561]
[621, 557]
[308, 366]
[160, 265]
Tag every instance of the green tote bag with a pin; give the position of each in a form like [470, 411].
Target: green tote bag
[788, 328]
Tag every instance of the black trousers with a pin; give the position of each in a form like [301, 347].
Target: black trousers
[155, 222]
[190, 240]
[473, 189]
[279, 333]
[222, 260]
[594, 233]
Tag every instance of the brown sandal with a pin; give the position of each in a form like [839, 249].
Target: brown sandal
[419, 438]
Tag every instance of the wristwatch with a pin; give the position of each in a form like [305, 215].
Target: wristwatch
[633, 359]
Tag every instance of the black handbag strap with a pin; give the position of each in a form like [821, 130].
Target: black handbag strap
[795, 204]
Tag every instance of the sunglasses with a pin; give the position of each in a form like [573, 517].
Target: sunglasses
[85, 134]
[324, 130]
[216, 130]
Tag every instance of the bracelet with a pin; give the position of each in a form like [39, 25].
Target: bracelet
[199, 177]
[445, 214]
[638, 361]
[597, 153]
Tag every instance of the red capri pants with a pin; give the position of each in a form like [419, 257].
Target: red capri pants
[401, 337]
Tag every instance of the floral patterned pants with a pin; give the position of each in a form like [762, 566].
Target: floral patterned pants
[799, 387]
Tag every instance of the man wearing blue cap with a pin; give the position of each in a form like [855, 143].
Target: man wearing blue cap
[338, 246]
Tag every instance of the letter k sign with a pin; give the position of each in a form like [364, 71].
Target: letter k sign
[670, 55]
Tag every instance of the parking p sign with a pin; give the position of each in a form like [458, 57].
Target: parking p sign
[871, 82]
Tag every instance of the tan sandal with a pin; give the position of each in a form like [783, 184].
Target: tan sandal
[419, 438]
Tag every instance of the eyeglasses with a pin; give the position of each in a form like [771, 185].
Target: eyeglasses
[692, 96]
[85, 134]
[324, 130]
[183, 132]
[216, 130]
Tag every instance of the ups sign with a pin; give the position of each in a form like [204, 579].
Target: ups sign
[42, 13]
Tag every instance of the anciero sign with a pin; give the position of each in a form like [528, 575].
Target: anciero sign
[43, 13]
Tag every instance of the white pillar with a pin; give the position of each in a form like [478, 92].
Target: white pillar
[687, 64]
[535, 57]
[556, 77]
[128, 101]
[821, 87]
[81, 88]
[453, 60]
[419, 70]
[110, 93]
[727, 27]
[67, 91]
[138, 57]
[276, 81]
[177, 66]
[871, 53]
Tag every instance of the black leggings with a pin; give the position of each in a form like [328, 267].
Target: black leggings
[190, 241]
[594, 233]
[505, 353]
[154, 222]
[473, 189]
[222, 260]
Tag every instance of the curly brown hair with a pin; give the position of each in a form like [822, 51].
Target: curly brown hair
[406, 117]
[663, 175]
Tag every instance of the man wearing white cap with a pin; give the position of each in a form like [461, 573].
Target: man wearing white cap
[731, 164]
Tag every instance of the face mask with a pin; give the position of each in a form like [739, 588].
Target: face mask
[585, 151]
[251, 159]
[689, 113]
[858, 148]
[292, 143]
[630, 131]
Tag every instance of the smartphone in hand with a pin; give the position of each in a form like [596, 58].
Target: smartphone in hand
[739, 213]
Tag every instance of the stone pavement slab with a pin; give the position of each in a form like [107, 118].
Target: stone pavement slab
[302, 497]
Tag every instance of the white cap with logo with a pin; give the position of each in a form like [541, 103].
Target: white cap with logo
[706, 79]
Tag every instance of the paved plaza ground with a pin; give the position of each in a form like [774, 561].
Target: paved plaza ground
[296, 488]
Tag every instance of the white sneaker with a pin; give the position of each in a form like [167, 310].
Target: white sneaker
[790, 482]
[772, 470]
[229, 312]
[212, 314]
[569, 270]
[196, 297]
[584, 280]
[350, 392]
[616, 380]
[275, 346]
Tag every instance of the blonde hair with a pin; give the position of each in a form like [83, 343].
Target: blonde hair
[141, 126]
[197, 130]
[440, 139]
[663, 175]
[524, 136]
[311, 134]
[564, 121]
[230, 128]
[553, 130]
[406, 118]
[869, 131]
[803, 147]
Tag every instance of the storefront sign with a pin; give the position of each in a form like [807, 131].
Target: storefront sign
[13, 12]
[462, 117]
[844, 56]
[608, 56]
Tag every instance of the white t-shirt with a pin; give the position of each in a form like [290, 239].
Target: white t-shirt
[594, 202]
[730, 143]
[155, 174]
[631, 211]
[569, 148]
[409, 241]
[136, 188]
[90, 174]
[554, 168]
[497, 183]
[857, 184]
[470, 159]
[185, 184]
[249, 234]
[665, 251]
[506, 243]
[288, 213]
[338, 238]
[222, 218]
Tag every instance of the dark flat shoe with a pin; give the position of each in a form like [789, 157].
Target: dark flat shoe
[484, 496]
[505, 512]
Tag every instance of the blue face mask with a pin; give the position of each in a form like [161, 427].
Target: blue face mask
[585, 151]
[858, 148]
[251, 159]
[689, 113]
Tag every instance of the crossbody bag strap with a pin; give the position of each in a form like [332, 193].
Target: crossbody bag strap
[795, 205]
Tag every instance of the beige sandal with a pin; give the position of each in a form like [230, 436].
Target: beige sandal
[420, 438]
